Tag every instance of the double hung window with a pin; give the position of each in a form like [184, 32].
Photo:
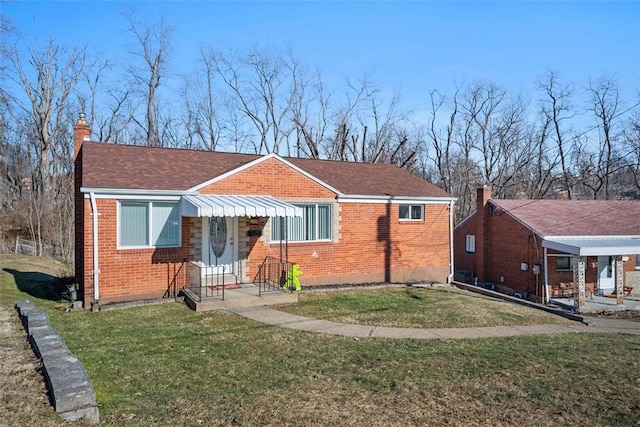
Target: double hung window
[315, 224]
[148, 224]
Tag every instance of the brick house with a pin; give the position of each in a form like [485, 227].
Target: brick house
[541, 249]
[142, 212]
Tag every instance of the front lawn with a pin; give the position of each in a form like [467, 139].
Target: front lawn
[166, 365]
[416, 307]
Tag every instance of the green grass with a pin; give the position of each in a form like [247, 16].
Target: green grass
[166, 365]
[440, 307]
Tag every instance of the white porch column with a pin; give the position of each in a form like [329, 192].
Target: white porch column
[617, 265]
[546, 278]
[579, 263]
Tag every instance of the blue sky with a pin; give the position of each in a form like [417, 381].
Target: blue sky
[413, 47]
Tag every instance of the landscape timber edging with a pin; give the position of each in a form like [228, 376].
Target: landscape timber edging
[69, 385]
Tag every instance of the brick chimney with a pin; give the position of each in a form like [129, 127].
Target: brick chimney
[483, 266]
[483, 196]
[81, 133]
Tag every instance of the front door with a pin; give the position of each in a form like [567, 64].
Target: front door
[606, 283]
[219, 250]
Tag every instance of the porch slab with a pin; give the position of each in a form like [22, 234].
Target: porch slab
[245, 296]
[597, 303]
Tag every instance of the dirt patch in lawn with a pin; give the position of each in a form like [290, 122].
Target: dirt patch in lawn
[618, 314]
[23, 395]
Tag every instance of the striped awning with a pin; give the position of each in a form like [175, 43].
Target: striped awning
[210, 206]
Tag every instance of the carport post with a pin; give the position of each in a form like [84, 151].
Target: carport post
[617, 263]
[579, 263]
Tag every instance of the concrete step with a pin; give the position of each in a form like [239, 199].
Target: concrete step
[236, 298]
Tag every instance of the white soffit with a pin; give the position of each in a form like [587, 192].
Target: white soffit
[609, 245]
[210, 206]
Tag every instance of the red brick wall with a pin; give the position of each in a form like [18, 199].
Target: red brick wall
[509, 245]
[374, 246]
[272, 178]
[370, 243]
[127, 274]
[463, 260]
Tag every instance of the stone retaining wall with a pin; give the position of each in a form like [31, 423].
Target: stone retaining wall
[69, 385]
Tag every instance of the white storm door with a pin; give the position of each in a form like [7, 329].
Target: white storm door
[220, 251]
[606, 279]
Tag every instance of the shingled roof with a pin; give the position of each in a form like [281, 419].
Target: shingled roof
[114, 166]
[575, 217]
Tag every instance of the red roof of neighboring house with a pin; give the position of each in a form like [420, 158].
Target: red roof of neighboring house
[575, 217]
[114, 166]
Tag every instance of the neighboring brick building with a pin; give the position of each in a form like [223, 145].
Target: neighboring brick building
[530, 247]
[341, 222]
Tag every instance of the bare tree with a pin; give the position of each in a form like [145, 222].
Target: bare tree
[47, 86]
[262, 85]
[40, 99]
[311, 116]
[152, 48]
[630, 177]
[604, 104]
[372, 129]
[339, 146]
[202, 106]
[109, 109]
[538, 177]
[441, 137]
[556, 106]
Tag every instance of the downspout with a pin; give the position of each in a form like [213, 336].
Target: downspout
[96, 267]
[451, 269]
[546, 278]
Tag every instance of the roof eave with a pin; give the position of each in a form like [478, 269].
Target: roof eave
[363, 198]
[570, 245]
[134, 192]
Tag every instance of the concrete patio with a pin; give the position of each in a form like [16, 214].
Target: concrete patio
[598, 303]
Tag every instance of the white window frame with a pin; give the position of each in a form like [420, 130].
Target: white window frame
[470, 243]
[317, 223]
[149, 224]
[637, 261]
[411, 211]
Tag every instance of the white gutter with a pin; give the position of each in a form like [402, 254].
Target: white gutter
[360, 198]
[451, 270]
[135, 192]
[96, 267]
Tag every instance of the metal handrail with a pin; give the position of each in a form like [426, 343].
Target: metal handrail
[272, 275]
[178, 282]
[204, 285]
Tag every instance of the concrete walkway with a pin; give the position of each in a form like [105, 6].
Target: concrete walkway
[269, 316]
